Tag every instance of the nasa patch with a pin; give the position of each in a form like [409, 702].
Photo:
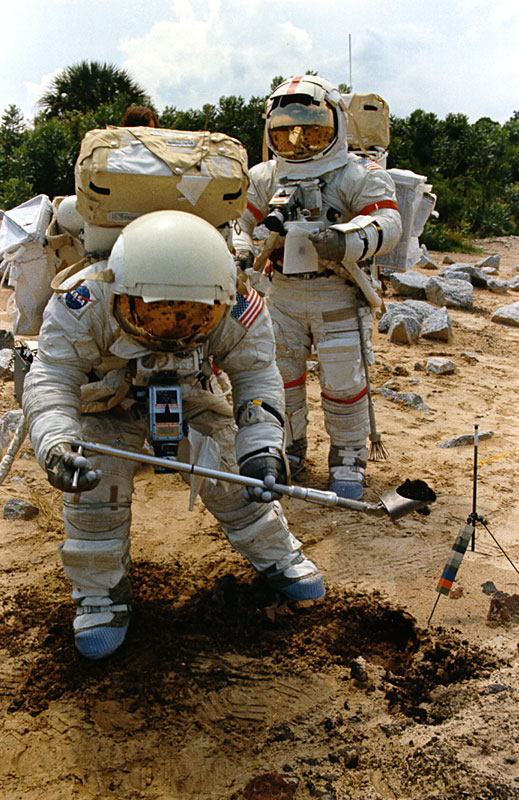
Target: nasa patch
[78, 298]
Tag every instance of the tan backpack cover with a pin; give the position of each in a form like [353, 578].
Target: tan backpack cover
[368, 121]
[122, 173]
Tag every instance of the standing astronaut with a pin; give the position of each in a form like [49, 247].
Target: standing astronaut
[162, 311]
[347, 206]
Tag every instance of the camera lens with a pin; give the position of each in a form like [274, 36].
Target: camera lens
[275, 221]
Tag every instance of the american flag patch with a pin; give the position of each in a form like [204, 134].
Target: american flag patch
[247, 308]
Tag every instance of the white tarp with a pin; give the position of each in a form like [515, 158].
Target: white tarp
[25, 223]
[22, 240]
[416, 204]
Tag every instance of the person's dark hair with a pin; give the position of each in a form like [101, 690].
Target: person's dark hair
[136, 116]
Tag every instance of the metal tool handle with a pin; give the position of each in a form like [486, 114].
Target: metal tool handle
[297, 492]
[75, 478]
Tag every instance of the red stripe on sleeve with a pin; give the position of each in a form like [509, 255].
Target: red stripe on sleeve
[375, 206]
[255, 211]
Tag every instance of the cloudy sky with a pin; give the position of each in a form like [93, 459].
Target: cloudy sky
[443, 56]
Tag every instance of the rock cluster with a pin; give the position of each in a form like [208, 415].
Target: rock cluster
[424, 313]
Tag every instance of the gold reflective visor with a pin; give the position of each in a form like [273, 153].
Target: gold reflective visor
[166, 325]
[298, 131]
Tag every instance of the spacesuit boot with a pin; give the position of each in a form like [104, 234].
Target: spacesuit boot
[300, 582]
[101, 622]
[101, 629]
[347, 469]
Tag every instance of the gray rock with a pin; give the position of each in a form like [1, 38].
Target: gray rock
[450, 293]
[455, 272]
[438, 326]
[439, 366]
[404, 330]
[425, 260]
[490, 261]
[513, 285]
[6, 363]
[418, 309]
[409, 284]
[497, 286]
[406, 398]
[507, 315]
[469, 272]
[465, 439]
[489, 271]
[394, 311]
[470, 358]
[391, 384]
[16, 508]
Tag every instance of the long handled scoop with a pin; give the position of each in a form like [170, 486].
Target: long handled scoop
[410, 496]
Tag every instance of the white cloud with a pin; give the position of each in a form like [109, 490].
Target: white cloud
[35, 90]
[207, 52]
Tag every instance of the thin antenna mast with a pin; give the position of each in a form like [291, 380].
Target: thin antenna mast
[349, 45]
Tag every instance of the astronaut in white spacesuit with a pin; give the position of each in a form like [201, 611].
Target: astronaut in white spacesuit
[314, 191]
[162, 310]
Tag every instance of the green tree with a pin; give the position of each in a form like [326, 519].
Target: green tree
[232, 115]
[14, 186]
[87, 85]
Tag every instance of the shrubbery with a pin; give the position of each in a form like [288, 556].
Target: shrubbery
[473, 167]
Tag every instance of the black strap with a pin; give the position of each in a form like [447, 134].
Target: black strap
[270, 409]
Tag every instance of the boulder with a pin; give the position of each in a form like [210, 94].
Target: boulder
[492, 261]
[507, 315]
[469, 272]
[497, 286]
[450, 293]
[440, 366]
[409, 284]
[404, 330]
[438, 326]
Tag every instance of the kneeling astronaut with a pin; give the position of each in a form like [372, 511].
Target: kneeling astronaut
[162, 309]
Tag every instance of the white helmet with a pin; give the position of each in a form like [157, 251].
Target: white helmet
[69, 217]
[305, 119]
[174, 280]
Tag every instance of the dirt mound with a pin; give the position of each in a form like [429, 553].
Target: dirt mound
[232, 618]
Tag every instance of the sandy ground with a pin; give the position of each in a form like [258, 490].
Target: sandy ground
[220, 695]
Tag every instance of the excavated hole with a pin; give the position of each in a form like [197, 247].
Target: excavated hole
[178, 619]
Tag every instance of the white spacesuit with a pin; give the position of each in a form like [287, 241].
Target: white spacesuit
[162, 311]
[313, 190]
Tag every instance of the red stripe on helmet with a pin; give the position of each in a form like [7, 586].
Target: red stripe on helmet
[294, 83]
[375, 206]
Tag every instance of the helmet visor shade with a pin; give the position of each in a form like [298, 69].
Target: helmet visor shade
[167, 325]
[298, 132]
